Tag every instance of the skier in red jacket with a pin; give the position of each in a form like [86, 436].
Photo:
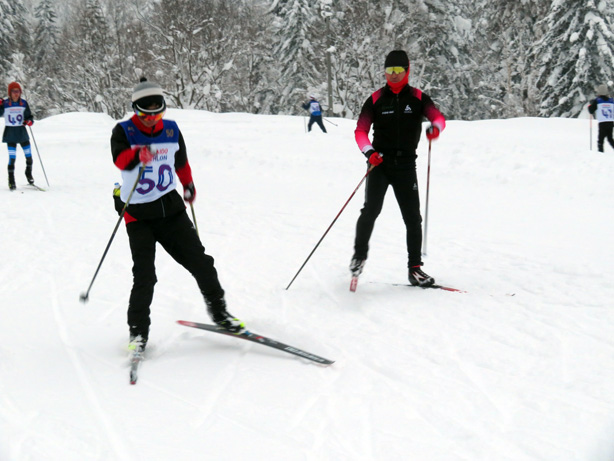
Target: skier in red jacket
[396, 112]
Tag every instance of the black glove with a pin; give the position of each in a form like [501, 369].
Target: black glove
[189, 192]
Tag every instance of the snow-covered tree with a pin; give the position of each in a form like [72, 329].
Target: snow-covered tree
[575, 54]
[505, 32]
[299, 49]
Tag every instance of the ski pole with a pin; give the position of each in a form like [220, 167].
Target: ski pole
[39, 155]
[590, 117]
[426, 210]
[84, 297]
[327, 120]
[194, 219]
[331, 225]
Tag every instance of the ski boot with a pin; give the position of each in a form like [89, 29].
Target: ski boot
[356, 266]
[221, 317]
[12, 185]
[29, 170]
[137, 344]
[417, 277]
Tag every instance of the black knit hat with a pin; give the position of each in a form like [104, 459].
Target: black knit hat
[397, 58]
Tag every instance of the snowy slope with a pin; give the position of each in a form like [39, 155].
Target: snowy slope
[521, 367]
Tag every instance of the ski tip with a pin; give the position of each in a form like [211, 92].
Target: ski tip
[185, 323]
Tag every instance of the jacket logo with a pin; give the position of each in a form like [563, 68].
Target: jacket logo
[407, 110]
[170, 132]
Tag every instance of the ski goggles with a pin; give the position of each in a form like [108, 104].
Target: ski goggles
[396, 70]
[149, 117]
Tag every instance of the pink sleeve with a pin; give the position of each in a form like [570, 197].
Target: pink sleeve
[431, 112]
[361, 134]
[365, 120]
[435, 117]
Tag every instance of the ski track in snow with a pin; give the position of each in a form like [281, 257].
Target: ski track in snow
[517, 368]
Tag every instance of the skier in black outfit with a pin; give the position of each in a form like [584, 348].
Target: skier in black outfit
[396, 112]
[602, 108]
[315, 113]
[156, 212]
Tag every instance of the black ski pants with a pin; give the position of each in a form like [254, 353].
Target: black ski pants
[605, 132]
[316, 119]
[400, 173]
[177, 236]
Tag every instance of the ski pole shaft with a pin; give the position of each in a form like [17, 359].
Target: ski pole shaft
[590, 131]
[85, 296]
[327, 120]
[426, 210]
[39, 155]
[194, 219]
[331, 225]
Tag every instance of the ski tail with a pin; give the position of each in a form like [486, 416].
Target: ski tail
[256, 338]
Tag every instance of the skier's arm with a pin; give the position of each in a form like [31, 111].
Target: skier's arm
[182, 166]
[432, 113]
[125, 157]
[365, 120]
[592, 108]
[27, 115]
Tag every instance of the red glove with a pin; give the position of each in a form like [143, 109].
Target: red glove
[375, 158]
[432, 132]
[28, 122]
[189, 192]
[145, 155]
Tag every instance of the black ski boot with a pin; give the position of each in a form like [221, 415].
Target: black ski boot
[356, 266]
[220, 316]
[29, 170]
[11, 169]
[417, 277]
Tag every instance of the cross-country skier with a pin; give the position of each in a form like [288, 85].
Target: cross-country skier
[396, 112]
[315, 113]
[602, 107]
[156, 212]
[16, 116]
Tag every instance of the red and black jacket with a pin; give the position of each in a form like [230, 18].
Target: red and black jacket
[397, 120]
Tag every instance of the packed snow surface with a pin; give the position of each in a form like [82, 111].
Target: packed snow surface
[520, 367]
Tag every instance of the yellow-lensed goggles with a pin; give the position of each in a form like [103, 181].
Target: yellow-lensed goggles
[395, 70]
[150, 117]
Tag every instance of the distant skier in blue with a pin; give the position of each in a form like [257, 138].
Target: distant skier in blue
[315, 111]
[602, 108]
[17, 114]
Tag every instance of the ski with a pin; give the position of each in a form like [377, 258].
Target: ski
[253, 337]
[354, 283]
[136, 358]
[436, 287]
[37, 187]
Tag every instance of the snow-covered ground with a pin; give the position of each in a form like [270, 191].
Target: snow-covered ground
[521, 367]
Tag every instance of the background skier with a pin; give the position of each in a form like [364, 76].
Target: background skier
[602, 108]
[315, 111]
[16, 116]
